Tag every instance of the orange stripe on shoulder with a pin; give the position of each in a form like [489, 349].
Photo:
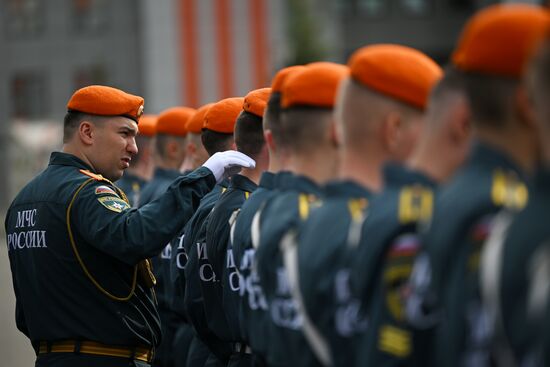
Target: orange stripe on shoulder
[95, 176]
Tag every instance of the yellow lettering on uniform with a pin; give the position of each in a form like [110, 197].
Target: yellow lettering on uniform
[415, 204]
[508, 191]
[394, 341]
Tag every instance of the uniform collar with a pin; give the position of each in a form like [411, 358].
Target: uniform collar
[166, 173]
[399, 175]
[267, 181]
[281, 178]
[300, 183]
[67, 159]
[128, 176]
[488, 157]
[243, 183]
[346, 188]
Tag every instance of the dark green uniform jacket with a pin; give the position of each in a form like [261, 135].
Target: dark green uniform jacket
[253, 308]
[196, 269]
[445, 279]
[56, 300]
[522, 259]
[220, 298]
[132, 186]
[325, 242]
[283, 213]
[382, 264]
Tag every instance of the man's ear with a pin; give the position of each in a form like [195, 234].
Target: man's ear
[391, 129]
[86, 132]
[269, 142]
[460, 125]
[525, 108]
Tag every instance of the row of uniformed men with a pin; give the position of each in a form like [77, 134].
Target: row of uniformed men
[361, 244]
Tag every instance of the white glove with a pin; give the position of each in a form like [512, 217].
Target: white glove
[230, 162]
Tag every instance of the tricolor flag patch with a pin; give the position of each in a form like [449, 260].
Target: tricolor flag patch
[104, 190]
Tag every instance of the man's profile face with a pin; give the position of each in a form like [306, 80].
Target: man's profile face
[113, 146]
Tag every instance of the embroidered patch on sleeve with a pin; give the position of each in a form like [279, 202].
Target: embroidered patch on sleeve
[100, 190]
[115, 204]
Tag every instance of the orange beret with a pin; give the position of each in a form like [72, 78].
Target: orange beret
[500, 39]
[255, 101]
[221, 117]
[148, 125]
[196, 122]
[172, 121]
[399, 72]
[106, 101]
[316, 85]
[279, 78]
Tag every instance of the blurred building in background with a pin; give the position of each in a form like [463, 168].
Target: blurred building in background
[181, 52]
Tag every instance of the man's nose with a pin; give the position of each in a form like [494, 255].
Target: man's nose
[132, 146]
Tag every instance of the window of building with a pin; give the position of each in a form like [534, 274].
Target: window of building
[28, 95]
[95, 74]
[90, 16]
[23, 17]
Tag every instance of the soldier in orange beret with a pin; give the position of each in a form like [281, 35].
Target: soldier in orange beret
[77, 249]
[254, 309]
[221, 299]
[190, 266]
[514, 261]
[490, 57]
[170, 144]
[307, 147]
[142, 164]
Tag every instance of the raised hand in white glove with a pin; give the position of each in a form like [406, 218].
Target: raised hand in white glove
[230, 162]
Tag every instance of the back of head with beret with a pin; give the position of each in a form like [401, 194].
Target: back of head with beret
[256, 101]
[106, 101]
[280, 77]
[148, 125]
[221, 116]
[313, 86]
[173, 120]
[399, 72]
[500, 39]
[196, 122]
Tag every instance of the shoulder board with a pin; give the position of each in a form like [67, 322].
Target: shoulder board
[415, 204]
[508, 190]
[95, 176]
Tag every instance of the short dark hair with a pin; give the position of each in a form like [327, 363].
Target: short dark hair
[215, 142]
[161, 140]
[272, 114]
[249, 134]
[302, 127]
[491, 98]
[72, 121]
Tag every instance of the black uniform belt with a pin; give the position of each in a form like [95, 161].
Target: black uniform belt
[88, 347]
[241, 348]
